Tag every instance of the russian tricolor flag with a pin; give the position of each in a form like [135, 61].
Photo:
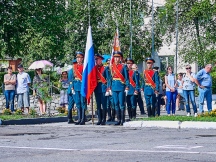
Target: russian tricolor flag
[89, 75]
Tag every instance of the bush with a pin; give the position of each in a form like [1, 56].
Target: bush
[6, 112]
[18, 112]
[61, 110]
[207, 114]
[32, 112]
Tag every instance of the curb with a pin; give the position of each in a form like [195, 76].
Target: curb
[171, 124]
[37, 120]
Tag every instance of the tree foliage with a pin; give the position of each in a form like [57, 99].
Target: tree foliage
[197, 36]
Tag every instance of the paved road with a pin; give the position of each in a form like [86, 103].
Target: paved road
[63, 142]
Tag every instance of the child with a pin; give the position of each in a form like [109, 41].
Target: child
[179, 85]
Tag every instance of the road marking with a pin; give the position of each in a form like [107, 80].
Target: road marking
[107, 150]
[184, 147]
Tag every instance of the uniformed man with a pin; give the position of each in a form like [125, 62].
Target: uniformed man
[80, 101]
[133, 89]
[71, 101]
[102, 89]
[120, 86]
[150, 86]
[110, 103]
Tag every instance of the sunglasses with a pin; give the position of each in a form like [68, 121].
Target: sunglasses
[188, 68]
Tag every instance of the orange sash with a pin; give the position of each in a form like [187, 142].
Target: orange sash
[131, 72]
[77, 73]
[148, 76]
[117, 72]
[100, 76]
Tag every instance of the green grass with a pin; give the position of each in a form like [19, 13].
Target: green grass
[17, 117]
[180, 118]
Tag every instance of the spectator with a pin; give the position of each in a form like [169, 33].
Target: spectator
[179, 84]
[164, 98]
[171, 93]
[10, 82]
[40, 82]
[64, 84]
[204, 81]
[23, 83]
[189, 90]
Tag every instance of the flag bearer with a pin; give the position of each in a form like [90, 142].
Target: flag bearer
[102, 89]
[80, 101]
[150, 86]
[120, 84]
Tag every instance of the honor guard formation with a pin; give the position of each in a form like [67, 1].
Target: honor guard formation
[119, 84]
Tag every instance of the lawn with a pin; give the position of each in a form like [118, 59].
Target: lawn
[181, 118]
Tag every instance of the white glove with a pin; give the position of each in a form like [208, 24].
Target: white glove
[73, 92]
[107, 93]
[135, 93]
[126, 92]
[110, 92]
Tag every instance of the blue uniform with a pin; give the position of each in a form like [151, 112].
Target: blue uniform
[103, 85]
[149, 90]
[80, 101]
[205, 80]
[120, 82]
[134, 87]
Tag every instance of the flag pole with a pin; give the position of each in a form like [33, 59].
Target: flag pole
[92, 105]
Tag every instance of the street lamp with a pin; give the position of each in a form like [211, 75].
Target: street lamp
[176, 53]
[130, 29]
[152, 54]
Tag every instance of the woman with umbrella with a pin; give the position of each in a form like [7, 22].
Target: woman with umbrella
[41, 84]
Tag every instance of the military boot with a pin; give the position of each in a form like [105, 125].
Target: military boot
[122, 117]
[118, 117]
[104, 117]
[149, 111]
[109, 114]
[79, 115]
[134, 113]
[83, 118]
[113, 114]
[153, 111]
[70, 119]
[129, 113]
[99, 114]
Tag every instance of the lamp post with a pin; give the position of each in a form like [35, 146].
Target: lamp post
[152, 54]
[176, 53]
[130, 29]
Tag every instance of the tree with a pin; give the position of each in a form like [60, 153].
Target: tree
[197, 36]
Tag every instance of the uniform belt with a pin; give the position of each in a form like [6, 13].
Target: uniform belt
[116, 79]
[149, 84]
[77, 78]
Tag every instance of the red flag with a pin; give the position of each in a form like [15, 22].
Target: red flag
[116, 45]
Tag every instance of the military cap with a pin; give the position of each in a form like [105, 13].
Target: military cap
[149, 59]
[129, 61]
[156, 67]
[74, 61]
[117, 54]
[79, 54]
[107, 59]
[99, 56]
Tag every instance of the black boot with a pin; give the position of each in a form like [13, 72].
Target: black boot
[70, 119]
[99, 114]
[153, 111]
[129, 113]
[122, 117]
[83, 118]
[79, 115]
[134, 113]
[113, 114]
[118, 117]
[149, 111]
[104, 117]
[109, 114]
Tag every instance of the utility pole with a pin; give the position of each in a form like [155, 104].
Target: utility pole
[176, 54]
[152, 54]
